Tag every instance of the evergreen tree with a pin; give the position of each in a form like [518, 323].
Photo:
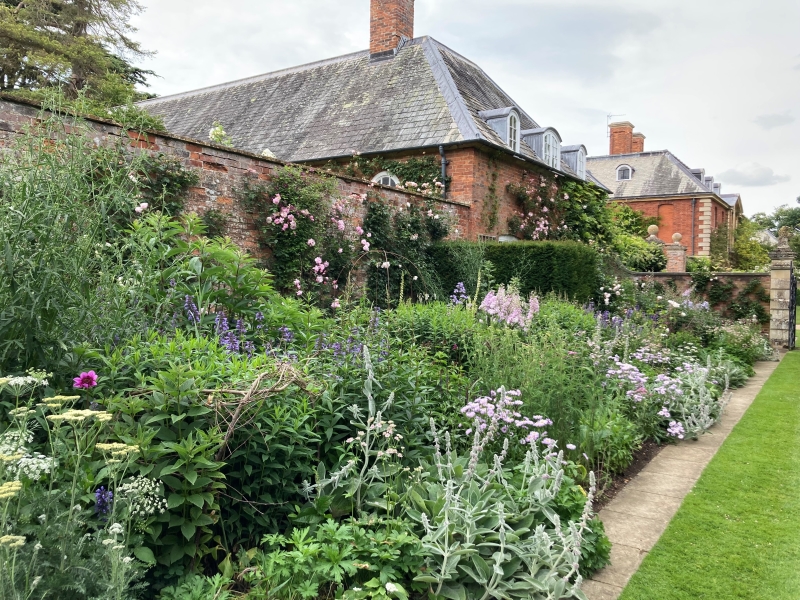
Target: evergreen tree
[80, 46]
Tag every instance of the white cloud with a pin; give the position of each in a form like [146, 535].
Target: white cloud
[752, 175]
[772, 121]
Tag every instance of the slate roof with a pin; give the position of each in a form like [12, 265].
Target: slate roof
[654, 174]
[731, 199]
[426, 95]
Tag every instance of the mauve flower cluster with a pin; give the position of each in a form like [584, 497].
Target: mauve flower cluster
[498, 412]
[649, 356]
[510, 308]
[286, 218]
[627, 375]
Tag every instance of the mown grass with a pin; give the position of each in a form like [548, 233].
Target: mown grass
[737, 535]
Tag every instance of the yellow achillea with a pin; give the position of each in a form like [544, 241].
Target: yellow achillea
[11, 457]
[12, 541]
[9, 490]
[72, 415]
[117, 450]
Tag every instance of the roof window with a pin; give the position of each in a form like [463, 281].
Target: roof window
[624, 173]
[506, 123]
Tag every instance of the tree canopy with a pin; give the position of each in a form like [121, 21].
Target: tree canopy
[80, 46]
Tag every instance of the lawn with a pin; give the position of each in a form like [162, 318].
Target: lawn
[736, 534]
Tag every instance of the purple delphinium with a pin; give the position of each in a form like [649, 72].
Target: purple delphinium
[102, 500]
[192, 312]
[459, 295]
[287, 335]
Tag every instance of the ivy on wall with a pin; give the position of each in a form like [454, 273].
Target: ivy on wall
[420, 173]
[720, 293]
[570, 211]
[491, 203]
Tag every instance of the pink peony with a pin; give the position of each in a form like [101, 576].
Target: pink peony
[85, 381]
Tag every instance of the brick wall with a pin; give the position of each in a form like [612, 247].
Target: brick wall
[473, 171]
[676, 217]
[683, 281]
[221, 171]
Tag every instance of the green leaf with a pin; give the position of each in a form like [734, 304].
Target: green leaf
[188, 530]
[144, 554]
[197, 500]
[175, 500]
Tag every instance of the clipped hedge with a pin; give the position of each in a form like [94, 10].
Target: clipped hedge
[568, 268]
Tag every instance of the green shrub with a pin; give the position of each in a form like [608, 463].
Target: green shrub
[566, 268]
[639, 255]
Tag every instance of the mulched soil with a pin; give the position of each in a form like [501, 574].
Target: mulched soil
[641, 459]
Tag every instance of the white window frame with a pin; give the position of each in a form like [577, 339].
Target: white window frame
[581, 164]
[395, 182]
[619, 172]
[551, 150]
[513, 131]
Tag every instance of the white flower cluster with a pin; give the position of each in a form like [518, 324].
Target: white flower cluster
[144, 497]
[19, 460]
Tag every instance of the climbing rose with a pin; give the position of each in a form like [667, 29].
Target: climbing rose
[311, 243]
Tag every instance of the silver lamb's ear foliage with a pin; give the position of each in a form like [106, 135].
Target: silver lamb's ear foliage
[369, 381]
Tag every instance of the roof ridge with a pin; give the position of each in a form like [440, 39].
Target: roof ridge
[449, 90]
[255, 78]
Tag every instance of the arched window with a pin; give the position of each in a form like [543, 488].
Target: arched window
[552, 151]
[581, 162]
[513, 132]
[386, 178]
[624, 173]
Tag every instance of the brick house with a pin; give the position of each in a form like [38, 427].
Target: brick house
[403, 97]
[658, 184]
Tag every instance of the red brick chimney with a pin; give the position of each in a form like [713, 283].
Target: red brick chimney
[621, 138]
[637, 142]
[390, 22]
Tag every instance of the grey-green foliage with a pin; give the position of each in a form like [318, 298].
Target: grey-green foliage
[56, 216]
[492, 532]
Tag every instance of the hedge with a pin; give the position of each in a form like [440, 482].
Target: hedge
[567, 268]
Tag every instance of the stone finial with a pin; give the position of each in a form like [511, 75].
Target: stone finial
[676, 238]
[784, 233]
[653, 237]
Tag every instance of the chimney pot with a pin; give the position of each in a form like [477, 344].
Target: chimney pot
[391, 21]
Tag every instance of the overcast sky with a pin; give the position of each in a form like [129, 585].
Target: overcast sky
[717, 82]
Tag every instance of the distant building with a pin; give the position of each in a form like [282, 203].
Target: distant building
[766, 237]
[658, 184]
[401, 98]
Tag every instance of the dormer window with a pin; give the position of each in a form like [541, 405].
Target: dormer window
[575, 157]
[387, 179]
[546, 142]
[513, 132]
[506, 123]
[624, 173]
[552, 151]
